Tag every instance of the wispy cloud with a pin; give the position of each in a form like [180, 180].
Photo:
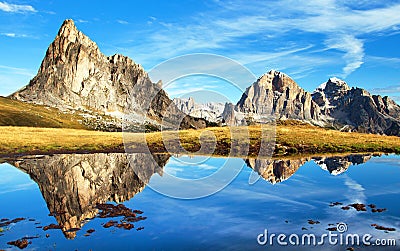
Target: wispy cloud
[16, 71]
[386, 90]
[14, 35]
[122, 22]
[390, 61]
[353, 49]
[82, 21]
[16, 8]
[236, 27]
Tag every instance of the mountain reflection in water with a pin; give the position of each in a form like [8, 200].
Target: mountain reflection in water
[277, 170]
[74, 184]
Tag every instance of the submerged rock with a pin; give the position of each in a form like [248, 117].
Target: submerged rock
[358, 206]
[391, 229]
[52, 226]
[21, 244]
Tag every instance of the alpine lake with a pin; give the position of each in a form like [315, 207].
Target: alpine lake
[113, 201]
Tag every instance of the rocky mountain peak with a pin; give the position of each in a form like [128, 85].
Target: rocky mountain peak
[210, 111]
[69, 33]
[68, 28]
[334, 87]
[327, 94]
[276, 81]
[75, 75]
[276, 94]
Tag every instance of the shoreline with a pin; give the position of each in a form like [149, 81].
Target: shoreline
[299, 140]
[5, 157]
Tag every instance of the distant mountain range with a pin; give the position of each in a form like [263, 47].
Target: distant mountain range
[333, 104]
[76, 77]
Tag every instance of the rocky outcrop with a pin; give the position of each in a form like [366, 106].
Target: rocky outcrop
[355, 109]
[73, 184]
[276, 94]
[339, 164]
[75, 75]
[275, 171]
[273, 96]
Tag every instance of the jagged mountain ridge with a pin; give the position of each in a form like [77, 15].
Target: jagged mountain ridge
[75, 75]
[275, 93]
[211, 111]
[355, 109]
[275, 96]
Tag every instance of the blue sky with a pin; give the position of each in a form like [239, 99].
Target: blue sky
[309, 40]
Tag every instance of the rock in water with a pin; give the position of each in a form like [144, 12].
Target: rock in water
[75, 75]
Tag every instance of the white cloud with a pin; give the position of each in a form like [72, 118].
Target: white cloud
[353, 49]
[14, 35]
[247, 32]
[17, 71]
[386, 90]
[389, 61]
[246, 58]
[9, 34]
[122, 22]
[339, 24]
[16, 8]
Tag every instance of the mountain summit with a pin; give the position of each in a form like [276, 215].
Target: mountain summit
[275, 93]
[355, 109]
[75, 75]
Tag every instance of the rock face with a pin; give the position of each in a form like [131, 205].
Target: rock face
[75, 75]
[276, 94]
[72, 184]
[355, 109]
[333, 104]
[273, 96]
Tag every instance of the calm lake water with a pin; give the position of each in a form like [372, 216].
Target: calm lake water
[195, 203]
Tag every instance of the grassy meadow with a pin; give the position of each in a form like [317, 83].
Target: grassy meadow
[291, 138]
[17, 113]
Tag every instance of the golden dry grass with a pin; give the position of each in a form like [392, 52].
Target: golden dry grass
[30, 139]
[17, 113]
[314, 139]
[290, 139]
